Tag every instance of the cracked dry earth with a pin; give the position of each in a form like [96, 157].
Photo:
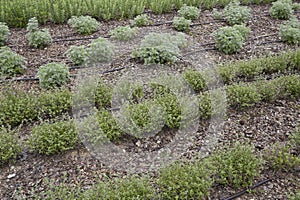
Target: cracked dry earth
[262, 125]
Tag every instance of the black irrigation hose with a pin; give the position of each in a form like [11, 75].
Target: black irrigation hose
[76, 39]
[245, 191]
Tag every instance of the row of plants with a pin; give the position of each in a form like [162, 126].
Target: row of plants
[236, 165]
[53, 75]
[59, 135]
[17, 13]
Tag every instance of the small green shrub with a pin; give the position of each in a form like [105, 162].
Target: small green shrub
[77, 54]
[181, 24]
[127, 91]
[53, 75]
[141, 20]
[100, 50]
[217, 15]
[205, 105]
[4, 33]
[85, 25]
[186, 181]
[295, 139]
[242, 95]
[123, 33]
[268, 90]
[236, 14]
[279, 157]
[108, 126]
[10, 62]
[189, 12]
[37, 38]
[51, 138]
[103, 95]
[195, 79]
[129, 188]
[281, 9]
[295, 196]
[290, 31]
[244, 31]
[229, 40]
[160, 48]
[290, 86]
[237, 166]
[9, 147]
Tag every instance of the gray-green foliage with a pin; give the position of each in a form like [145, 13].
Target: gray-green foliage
[53, 75]
[281, 9]
[123, 33]
[217, 14]
[141, 20]
[160, 48]
[295, 196]
[195, 79]
[4, 33]
[10, 62]
[230, 39]
[186, 181]
[108, 126]
[181, 23]
[77, 54]
[103, 95]
[189, 12]
[237, 166]
[49, 138]
[290, 31]
[85, 25]
[236, 14]
[9, 145]
[37, 38]
[280, 157]
[295, 139]
[99, 50]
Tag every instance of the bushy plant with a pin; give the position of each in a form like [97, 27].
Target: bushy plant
[279, 157]
[230, 39]
[10, 62]
[195, 79]
[77, 54]
[237, 166]
[217, 14]
[242, 95]
[37, 38]
[108, 126]
[189, 12]
[290, 31]
[269, 90]
[160, 48]
[290, 86]
[205, 105]
[123, 33]
[50, 138]
[186, 181]
[236, 14]
[141, 20]
[85, 25]
[295, 196]
[100, 50]
[53, 75]
[295, 139]
[4, 33]
[281, 9]
[181, 24]
[9, 145]
[103, 95]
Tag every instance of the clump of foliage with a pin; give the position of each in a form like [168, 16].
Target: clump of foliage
[100, 50]
[9, 145]
[290, 31]
[242, 95]
[50, 138]
[295, 139]
[289, 86]
[37, 38]
[108, 126]
[295, 196]
[181, 24]
[53, 75]
[141, 20]
[189, 12]
[77, 54]
[281, 9]
[4, 33]
[103, 95]
[186, 181]
[205, 105]
[123, 33]
[195, 79]
[237, 166]
[10, 62]
[279, 157]
[230, 40]
[217, 14]
[160, 48]
[85, 25]
[236, 14]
